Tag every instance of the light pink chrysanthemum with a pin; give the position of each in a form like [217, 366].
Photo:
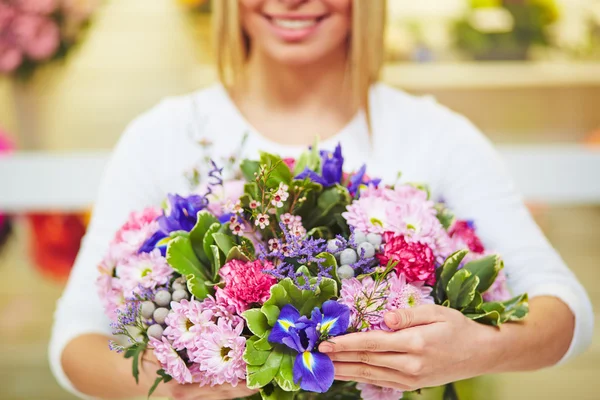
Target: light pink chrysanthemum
[187, 321]
[147, 270]
[220, 355]
[372, 392]
[170, 361]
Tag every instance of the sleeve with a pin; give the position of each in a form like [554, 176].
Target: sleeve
[476, 185]
[129, 183]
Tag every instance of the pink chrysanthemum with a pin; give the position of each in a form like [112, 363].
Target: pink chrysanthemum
[170, 361]
[147, 270]
[415, 260]
[187, 322]
[499, 290]
[220, 355]
[407, 295]
[245, 284]
[372, 392]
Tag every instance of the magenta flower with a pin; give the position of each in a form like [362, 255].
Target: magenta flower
[245, 284]
[219, 354]
[170, 360]
[415, 260]
[372, 392]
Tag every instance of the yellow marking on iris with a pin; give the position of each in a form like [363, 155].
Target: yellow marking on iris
[286, 325]
[307, 358]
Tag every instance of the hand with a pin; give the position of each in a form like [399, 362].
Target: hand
[176, 391]
[431, 346]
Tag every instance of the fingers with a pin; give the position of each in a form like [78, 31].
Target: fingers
[384, 384]
[410, 317]
[369, 374]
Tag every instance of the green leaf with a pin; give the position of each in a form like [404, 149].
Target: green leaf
[254, 356]
[205, 220]
[285, 375]
[262, 375]
[224, 242]
[181, 258]
[198, 286]
[256, 321]
[271, 312]
[461, 289]
[487, 269]
[236, 254]
[162, 377]
[134, 352]
[279, 171]
[249, 169]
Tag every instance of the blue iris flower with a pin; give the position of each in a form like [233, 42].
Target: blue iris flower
[358, 179]
[332, 164]
[181, 215]
[314, 371]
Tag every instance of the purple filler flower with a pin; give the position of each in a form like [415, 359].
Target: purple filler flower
[313, 370]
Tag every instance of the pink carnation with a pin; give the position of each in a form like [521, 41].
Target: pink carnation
[170, 361]
[245, 284]
[220, 355]
[372, 392]
[415, 260]
[148, 270]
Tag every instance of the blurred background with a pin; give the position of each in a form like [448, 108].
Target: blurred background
[527, 72]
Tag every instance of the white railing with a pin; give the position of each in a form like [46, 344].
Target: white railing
[553, 174]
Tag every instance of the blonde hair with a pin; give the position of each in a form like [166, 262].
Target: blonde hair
[365, 45]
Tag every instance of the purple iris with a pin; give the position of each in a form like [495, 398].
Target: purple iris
[314, 371]
[359, 179]
[181, 215]
[332, 164]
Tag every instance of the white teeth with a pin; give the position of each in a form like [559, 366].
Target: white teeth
[294, 23]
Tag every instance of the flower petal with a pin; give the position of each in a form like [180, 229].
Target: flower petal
[314, 371]
[288, 317]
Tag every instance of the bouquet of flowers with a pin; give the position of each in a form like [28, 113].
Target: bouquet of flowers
[242, 281]
[36, 31]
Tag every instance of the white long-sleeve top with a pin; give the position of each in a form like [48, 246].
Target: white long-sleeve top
[425, 141]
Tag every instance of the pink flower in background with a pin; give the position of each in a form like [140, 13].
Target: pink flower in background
[37, 6]
[499, 289]
[415, 260]
[187, 322]
[220, 355]
[147, 270]
[372, 392]
[170, 361]
[245, 284]
[38, 36]
[464, 237]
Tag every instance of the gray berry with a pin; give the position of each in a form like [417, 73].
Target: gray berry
[366, 250]
[333, 246]
[359, 237]
[162, 298]
[160, 314]
[345, 272]
[148, 308]
[179, 295]
[348, 256]
[155, 331]
[375, 239]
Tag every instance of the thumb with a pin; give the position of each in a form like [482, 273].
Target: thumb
[409, 317]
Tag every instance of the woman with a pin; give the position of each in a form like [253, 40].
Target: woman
[290, 70]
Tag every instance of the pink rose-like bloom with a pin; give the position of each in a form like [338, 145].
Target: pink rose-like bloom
[415, 260]
[499, 289]
[245, 284]
[220, 355]
[464, 237]
[170, 361]
[372, 392]
[38, 36]
[148, 270]
[187, 322]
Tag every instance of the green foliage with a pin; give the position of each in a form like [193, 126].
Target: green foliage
[462, 289]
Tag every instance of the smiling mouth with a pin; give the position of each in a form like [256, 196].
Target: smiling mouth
[295, 23]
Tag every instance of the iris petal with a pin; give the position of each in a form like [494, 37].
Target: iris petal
[288, 317]
[314, 371]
